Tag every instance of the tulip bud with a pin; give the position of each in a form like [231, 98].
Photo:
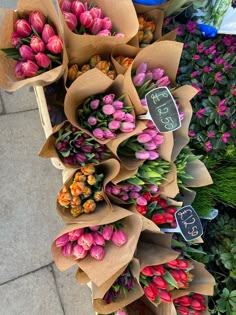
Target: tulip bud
[79, 252]
[119, 35]
[104, 33]
[94, 60]
[97, 252]
[94, 104]
[65, 5]
[119, 238]
[94, 228]
[165, 296]
[139, 79]
[158, 219]
[141, 21]
[98, 239]
[160, 282]
[98, 133]
[199, 297]
[107, 232]
[104, 65]
[37, 21]
[48, 31]
[157, 73]
[126, 62]
[184, 300]
[114, 125]
[127, 126]
[86, 19]
[148, 271]
[62, 240]
[88, 169]
[92, 121]
[77, 7]
[182, 264]
[15, 39]
[23, 28]
[86, 241]
[196, 305]
[96, 12]
[159, 270]
[142, 155]
[66, 250]
[172, 264]
[96, 26]
[18, 70]
[151, 292]
[72, 72]
[164, 81]
[75, 234]
[26, 52]
[108, 134]
[149, 26]
[106, 23]
[142, 68]
[71, 20]
[29, 68]
[37, 44]
[111, 74]
[55, 44]
[169, 217]
[182, 310]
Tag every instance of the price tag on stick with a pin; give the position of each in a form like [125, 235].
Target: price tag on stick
[162, 110]
[188, 224]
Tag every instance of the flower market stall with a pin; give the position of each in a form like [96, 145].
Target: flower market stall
[137, 100]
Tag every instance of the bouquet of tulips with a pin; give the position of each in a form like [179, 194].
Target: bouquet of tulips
[190, 304]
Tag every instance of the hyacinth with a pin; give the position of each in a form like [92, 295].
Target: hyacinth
[77, 148]
[86, 19]
[96, 61]
[146, 30]
[37, 47]
[105, 116]
[91, 240]
[193, 303]
[143, 146]
[122, 285]
[209, 66]
[82, 195]
[158, 280]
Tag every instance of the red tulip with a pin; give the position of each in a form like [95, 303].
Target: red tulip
[42, 60]
[175, 274]
[182, 310]
[77, 7]
[199, 297]
[173, 264]
[151, 293]
[162, 203]
[165, 296]
[55, 44]
[160, 282]
[23, 28]
[182, 264]
[158, 218]
[148, 271]
[37, 44]
[37, 21]
[184, 300]
[170, 210]
[141, 209]
[48, 31]
[196, 305]
[169, 218]
[71, 20]
[159, 270]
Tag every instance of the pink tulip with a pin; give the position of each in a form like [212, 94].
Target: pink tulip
[142, 155]
[153, 155]
[150, 146]
[118, 104]
[157, 73]
[15, 39]
[119, 35]
[48, 31]
[127, 126]
[94, 227]
[98, 239]
[37, 21]
[75, 234]
[66, 250]
[108, 99]
[129, 118]
[139, 79]
[164, 81]
[96, 26]
[65, 5]
[92, 121]
[98, 133]
[26, 52]
[29, 68]
[134, 194]
[119, 238]
[79, 252]
[106, 23]
[124, 197]
[94, 104]
[141, 201]
[77, 7]
[42, 60]
[143, 102]
[96, 12]
[86, 19]
[107, 232]
[71, 20]
[104, 33]
[114, 125]
[97, 252]
[142, 68]
[153, 188]
[108, 134]
[23, 28]
[108, 109]
[55, 44]
[144, 138]
[120, 312]
[37, 44]
[119, 115]
[62, 240]
[115, 190]
[18, 70]
[86, 241]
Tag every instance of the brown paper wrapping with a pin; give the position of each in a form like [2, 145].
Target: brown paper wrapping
[94, 82]
[98, 292]
[100, 271]
[200, 174]
[142, 306]
[82, 277]
[8, 17]
[81, 45]
[110, 169]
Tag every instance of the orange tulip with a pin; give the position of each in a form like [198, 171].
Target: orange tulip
[76, 201]
[76, 211]
[98, 195]
[64, 199]
[91, 180]
[88, 169]
[89, 206]
[86, 192]
[79, 177]
[76, 188]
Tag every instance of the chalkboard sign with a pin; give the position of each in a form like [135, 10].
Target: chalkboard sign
[163, 109]
[189, 223]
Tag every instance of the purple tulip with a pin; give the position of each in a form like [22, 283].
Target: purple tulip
[153, 155]
[66, 250]
[69, 160]
[29, 68]
[37, 21]
[86, 241]
[15, 39]
[37, 44]
[108, 109]
[119, 115]
[106, 23]
[139, 79]
[104, 33]
[144, 138]
[48, 31]
[92, 120]
[96, 26]
[80, 157]
[71, 20]
[127, 126]
[108, 134]
[142, 155]
[65, 5]
[97, 252]
[119, 238]
[157, 73]
[18, 70]
[142, 68]
[134, 194]
[94, 104]
[26, 52]
[96, 12]
[77, 7]
[86, 19]
[114, 125]
[79, 252]
[129, 118]
[115, 190]
[98, 239]
[98, 133]
[164, 81]
[74, 235]
[124, 197]
[107, 232]
[55, 44]
[108, 99]
[62, 240]
[87, 148]
[118, 104]
[42, 60]
[23, 28]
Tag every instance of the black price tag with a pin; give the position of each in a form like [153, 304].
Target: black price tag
[189, 223]
[163, 109]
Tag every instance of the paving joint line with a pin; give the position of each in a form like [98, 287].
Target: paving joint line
[27, 273]
[58, 293]
[21, 111]
[3, 105]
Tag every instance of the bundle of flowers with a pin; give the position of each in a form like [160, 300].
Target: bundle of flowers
[190, 304]
[124, 61]
[146, 30]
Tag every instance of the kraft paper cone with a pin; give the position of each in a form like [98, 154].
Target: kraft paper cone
[93, 82]
[169, 187]
[135, 293]
[110, 169]
[200, 174]
[8, 81]
[142, 307]
[166, 308]
[81, 277]
[187, 196]
[81, 45]
[163, 54]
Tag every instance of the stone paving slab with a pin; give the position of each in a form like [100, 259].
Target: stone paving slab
[75, 298]
[29, 186]
[1, 106]
[8, 3]
[33, 294]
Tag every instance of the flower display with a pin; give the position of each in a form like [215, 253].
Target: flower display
[91, 241]
[106, 115]
[84, 18]
[36, 46]
[124, 61]
[190, 304]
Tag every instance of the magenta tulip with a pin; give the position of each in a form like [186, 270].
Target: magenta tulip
[118, 104]
[127, 126]
[108, 134]
[98, 133]
[139, 79]
[144, 138]
[37, 21]
[142, 68]
[142, 155]
[23, 28]
[48, 31]
[86, 19]
[66, 250]
[71, 20]
[15, 39]
[119, 238]
[157, 73]
[18, 70]
[119, 35]
[96, 13]
[62, 240]
[65, 5]
[107, 232]
[119, 115]
[77, 7]
[106, 23]
[55, 44]
[26, 52]
[98, 239]
[86, 241]
[129, 118]
[79, 252]
[92, 121]
[108, 109]
[164, 81]
[108, 99]
[37, 44]
[75, 234]
[97, 252]
[114, 125]
[42, 60]
[104, 33]
[94, 104]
